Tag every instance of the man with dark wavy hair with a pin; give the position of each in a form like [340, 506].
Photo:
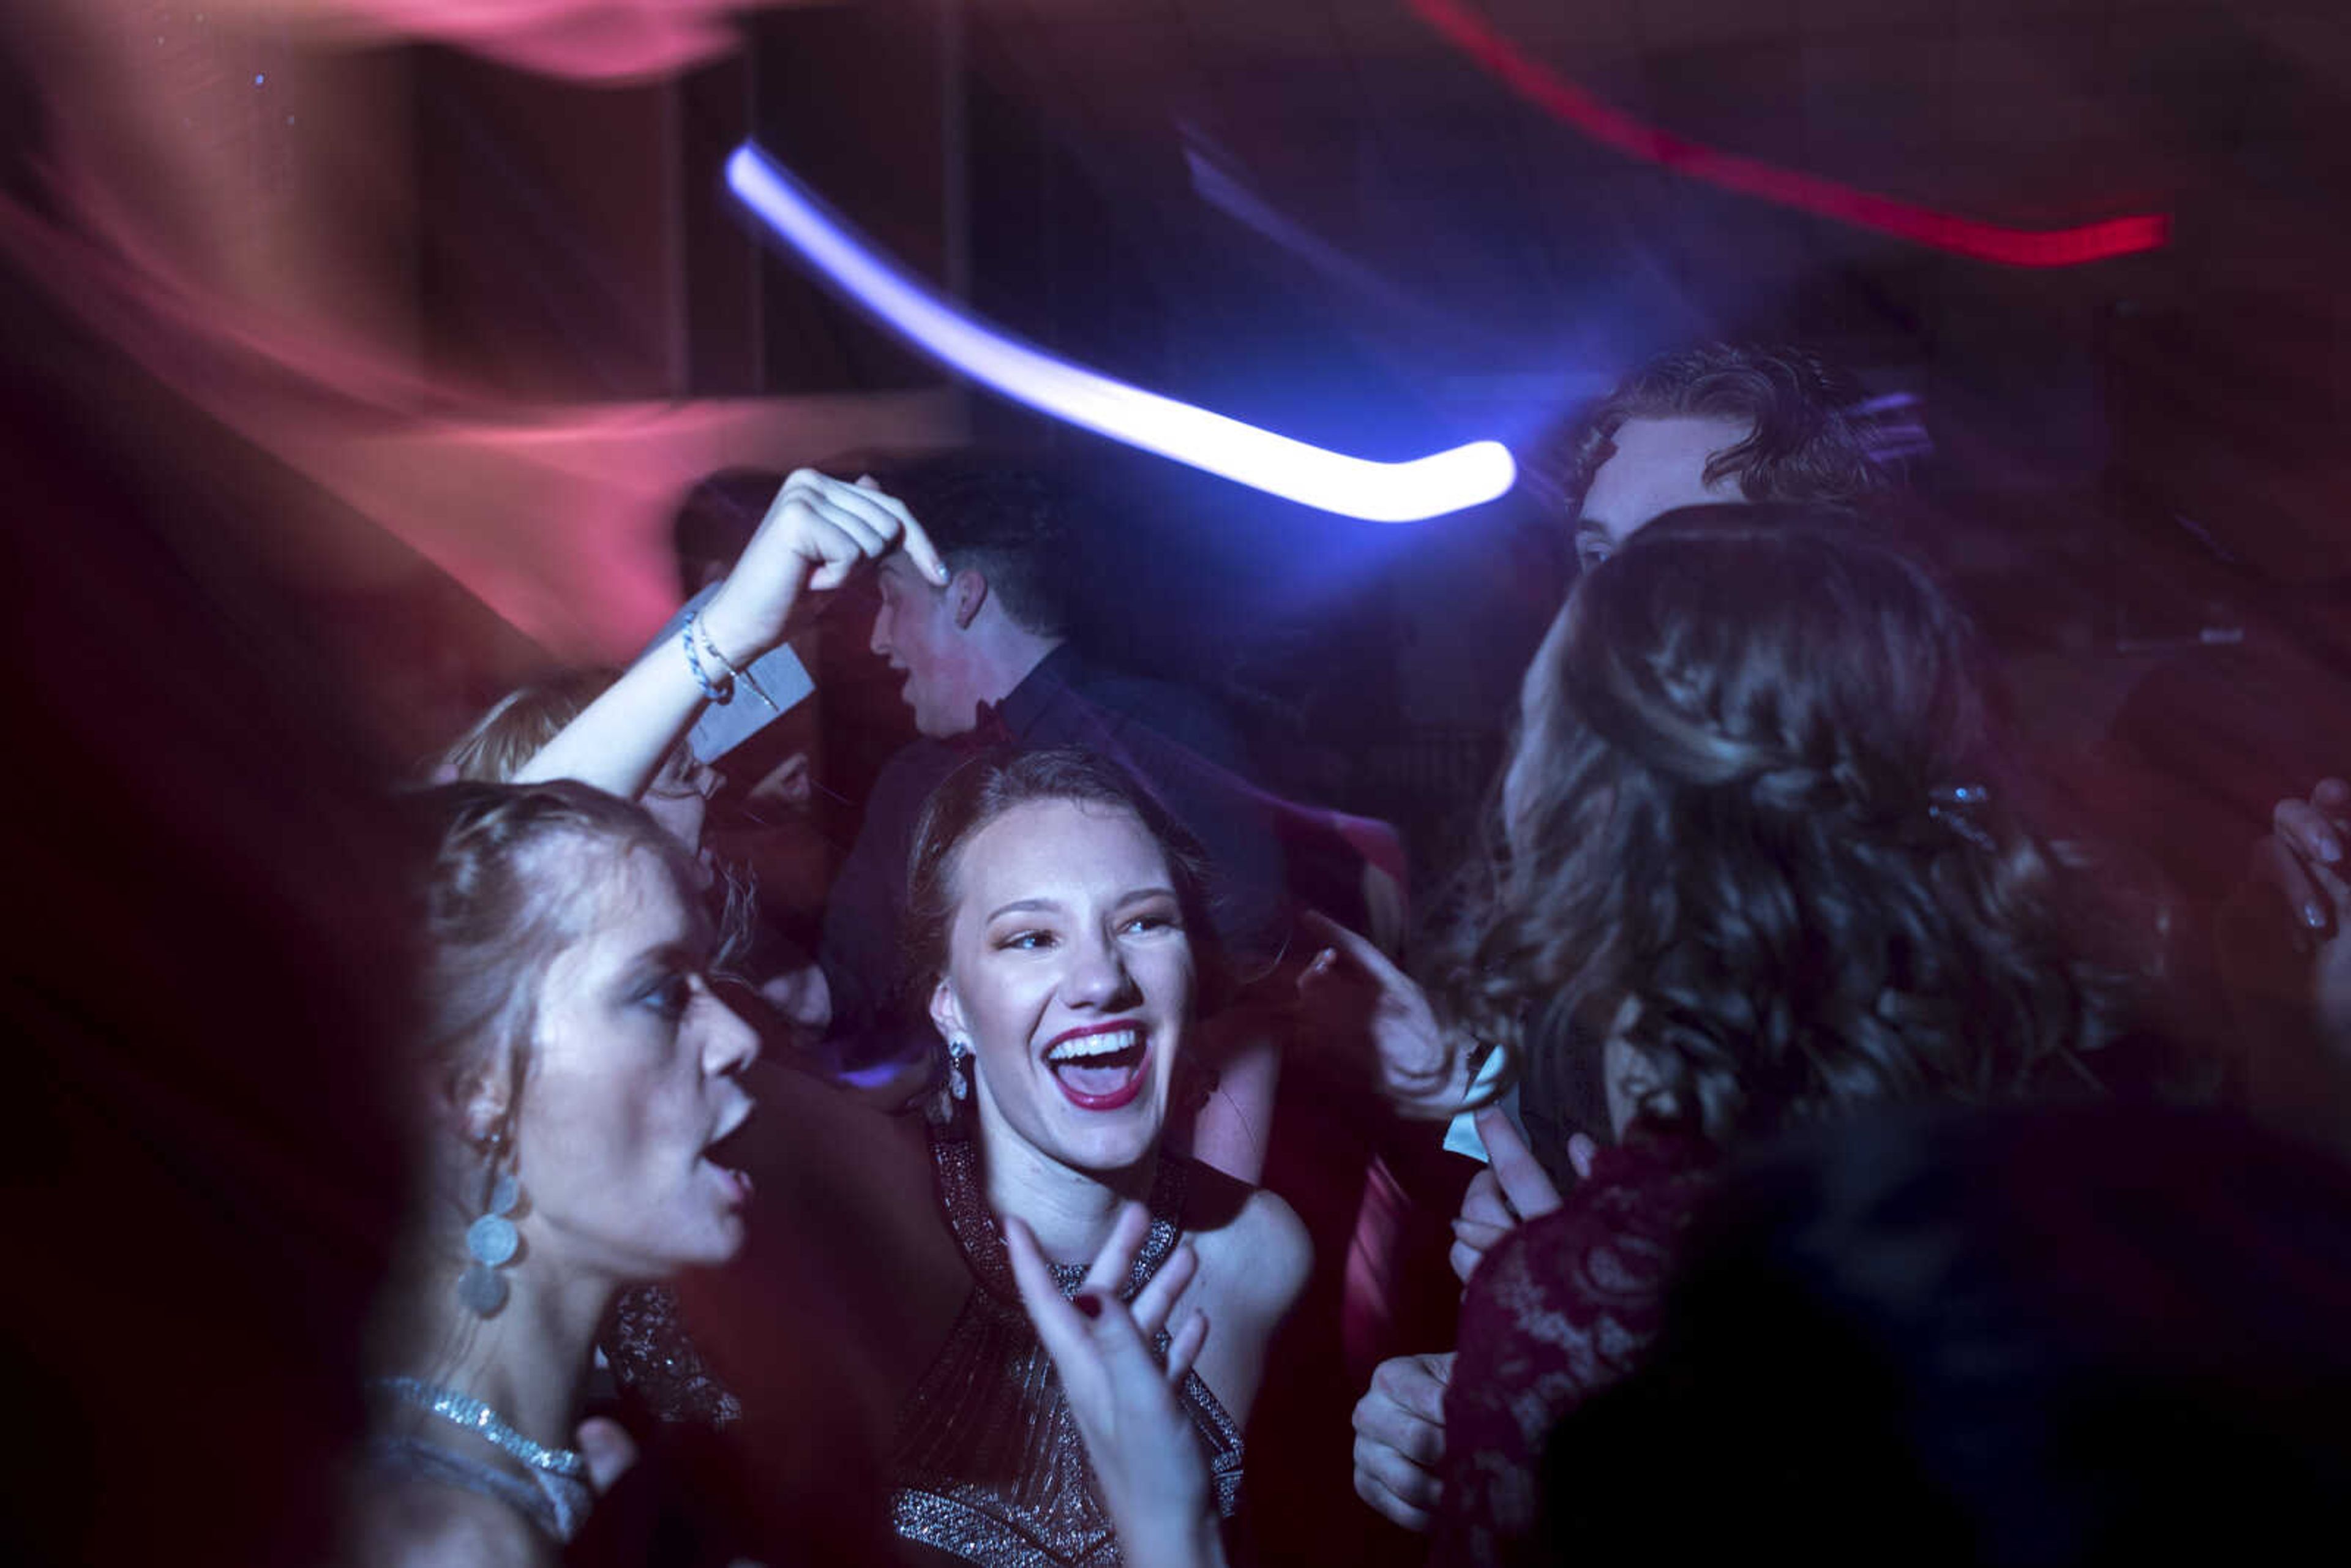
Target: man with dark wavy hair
[1718, 422]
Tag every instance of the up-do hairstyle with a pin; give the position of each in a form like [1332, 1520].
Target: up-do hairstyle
[1757, 791]
[1004, 519]
[993, 783]
[506, 884]
[1808, 443]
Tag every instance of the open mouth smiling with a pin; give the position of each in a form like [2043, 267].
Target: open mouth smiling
[1099, 1067]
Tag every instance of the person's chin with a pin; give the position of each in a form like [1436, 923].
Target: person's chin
[1115, 1140]
[714, 1241]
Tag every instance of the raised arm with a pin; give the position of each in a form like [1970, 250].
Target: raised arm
[818, 530]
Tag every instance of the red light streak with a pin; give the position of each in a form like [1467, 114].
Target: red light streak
[1547, 90]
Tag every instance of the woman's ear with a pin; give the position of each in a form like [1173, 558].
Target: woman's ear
[946, 1013]
[478, 1100]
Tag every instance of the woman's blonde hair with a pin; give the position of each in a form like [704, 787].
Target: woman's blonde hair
[519, 725]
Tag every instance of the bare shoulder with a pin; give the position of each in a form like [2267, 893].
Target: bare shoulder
[404, 1523]
[1251, 1243]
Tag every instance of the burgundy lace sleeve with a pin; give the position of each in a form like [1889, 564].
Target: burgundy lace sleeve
[1560, 1309]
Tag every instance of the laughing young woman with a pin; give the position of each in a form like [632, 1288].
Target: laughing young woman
[1057, 933]
[1055, 928]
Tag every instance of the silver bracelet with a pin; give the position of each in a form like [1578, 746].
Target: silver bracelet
[710, 646]
[721, 691]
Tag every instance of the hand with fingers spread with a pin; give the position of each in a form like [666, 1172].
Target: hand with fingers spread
[1145, 1453]
[1353, 988]
[817, 532]
[1400, 1437]
[1512, 1188]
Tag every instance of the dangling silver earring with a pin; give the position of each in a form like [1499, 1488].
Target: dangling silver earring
[959, 1066]
[491, 1242]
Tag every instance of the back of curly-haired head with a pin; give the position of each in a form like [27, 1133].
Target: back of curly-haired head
[1806, 442]
[1756, 792]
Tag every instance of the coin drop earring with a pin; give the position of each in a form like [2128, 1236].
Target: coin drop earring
[491, 1242]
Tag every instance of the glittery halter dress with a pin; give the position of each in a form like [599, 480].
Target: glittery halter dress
[987, 1465]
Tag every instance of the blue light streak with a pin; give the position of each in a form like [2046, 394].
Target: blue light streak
[1426, 486]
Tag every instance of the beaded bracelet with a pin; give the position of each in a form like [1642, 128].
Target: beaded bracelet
[710, 647]
[721, 692]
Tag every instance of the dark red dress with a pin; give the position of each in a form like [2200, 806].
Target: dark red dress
[1561, 1307]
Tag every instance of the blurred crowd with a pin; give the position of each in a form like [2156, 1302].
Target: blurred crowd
[875, 1078]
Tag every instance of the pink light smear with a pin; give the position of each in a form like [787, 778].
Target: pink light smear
[1556, 96]
[613, 42]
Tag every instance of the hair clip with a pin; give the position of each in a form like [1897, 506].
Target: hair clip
[1950, 806]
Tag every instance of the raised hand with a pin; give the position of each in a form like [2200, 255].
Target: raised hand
[1512, 1188]
[1421, 1067]
[1400, 1437]
[2307, 839]
[1147, 1457]
[2289, 981]
[817, 531]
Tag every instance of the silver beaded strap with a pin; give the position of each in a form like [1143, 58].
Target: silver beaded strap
[465, 1410]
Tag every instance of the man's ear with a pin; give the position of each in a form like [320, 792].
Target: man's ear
[946, 1013]
[966, 593]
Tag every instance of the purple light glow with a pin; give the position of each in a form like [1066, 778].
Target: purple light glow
[1354, 486]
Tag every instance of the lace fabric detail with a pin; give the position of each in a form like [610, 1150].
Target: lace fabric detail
[988, 1462]
[1563, 1307]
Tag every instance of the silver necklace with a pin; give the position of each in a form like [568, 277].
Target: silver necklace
[561, 1474]
[465, 1410]
[564, 1494]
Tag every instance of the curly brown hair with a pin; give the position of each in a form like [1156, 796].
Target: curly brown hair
[1805, 442]
[1757, 791]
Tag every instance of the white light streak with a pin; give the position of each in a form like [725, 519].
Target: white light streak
[1354, 487]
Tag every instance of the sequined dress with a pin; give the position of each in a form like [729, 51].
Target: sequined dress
[987, 1465]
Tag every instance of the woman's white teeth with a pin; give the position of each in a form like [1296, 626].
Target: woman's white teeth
[1085, 1047]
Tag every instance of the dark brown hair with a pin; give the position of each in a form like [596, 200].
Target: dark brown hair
[1005, 518]
[1758, 790]
[1805, 442]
